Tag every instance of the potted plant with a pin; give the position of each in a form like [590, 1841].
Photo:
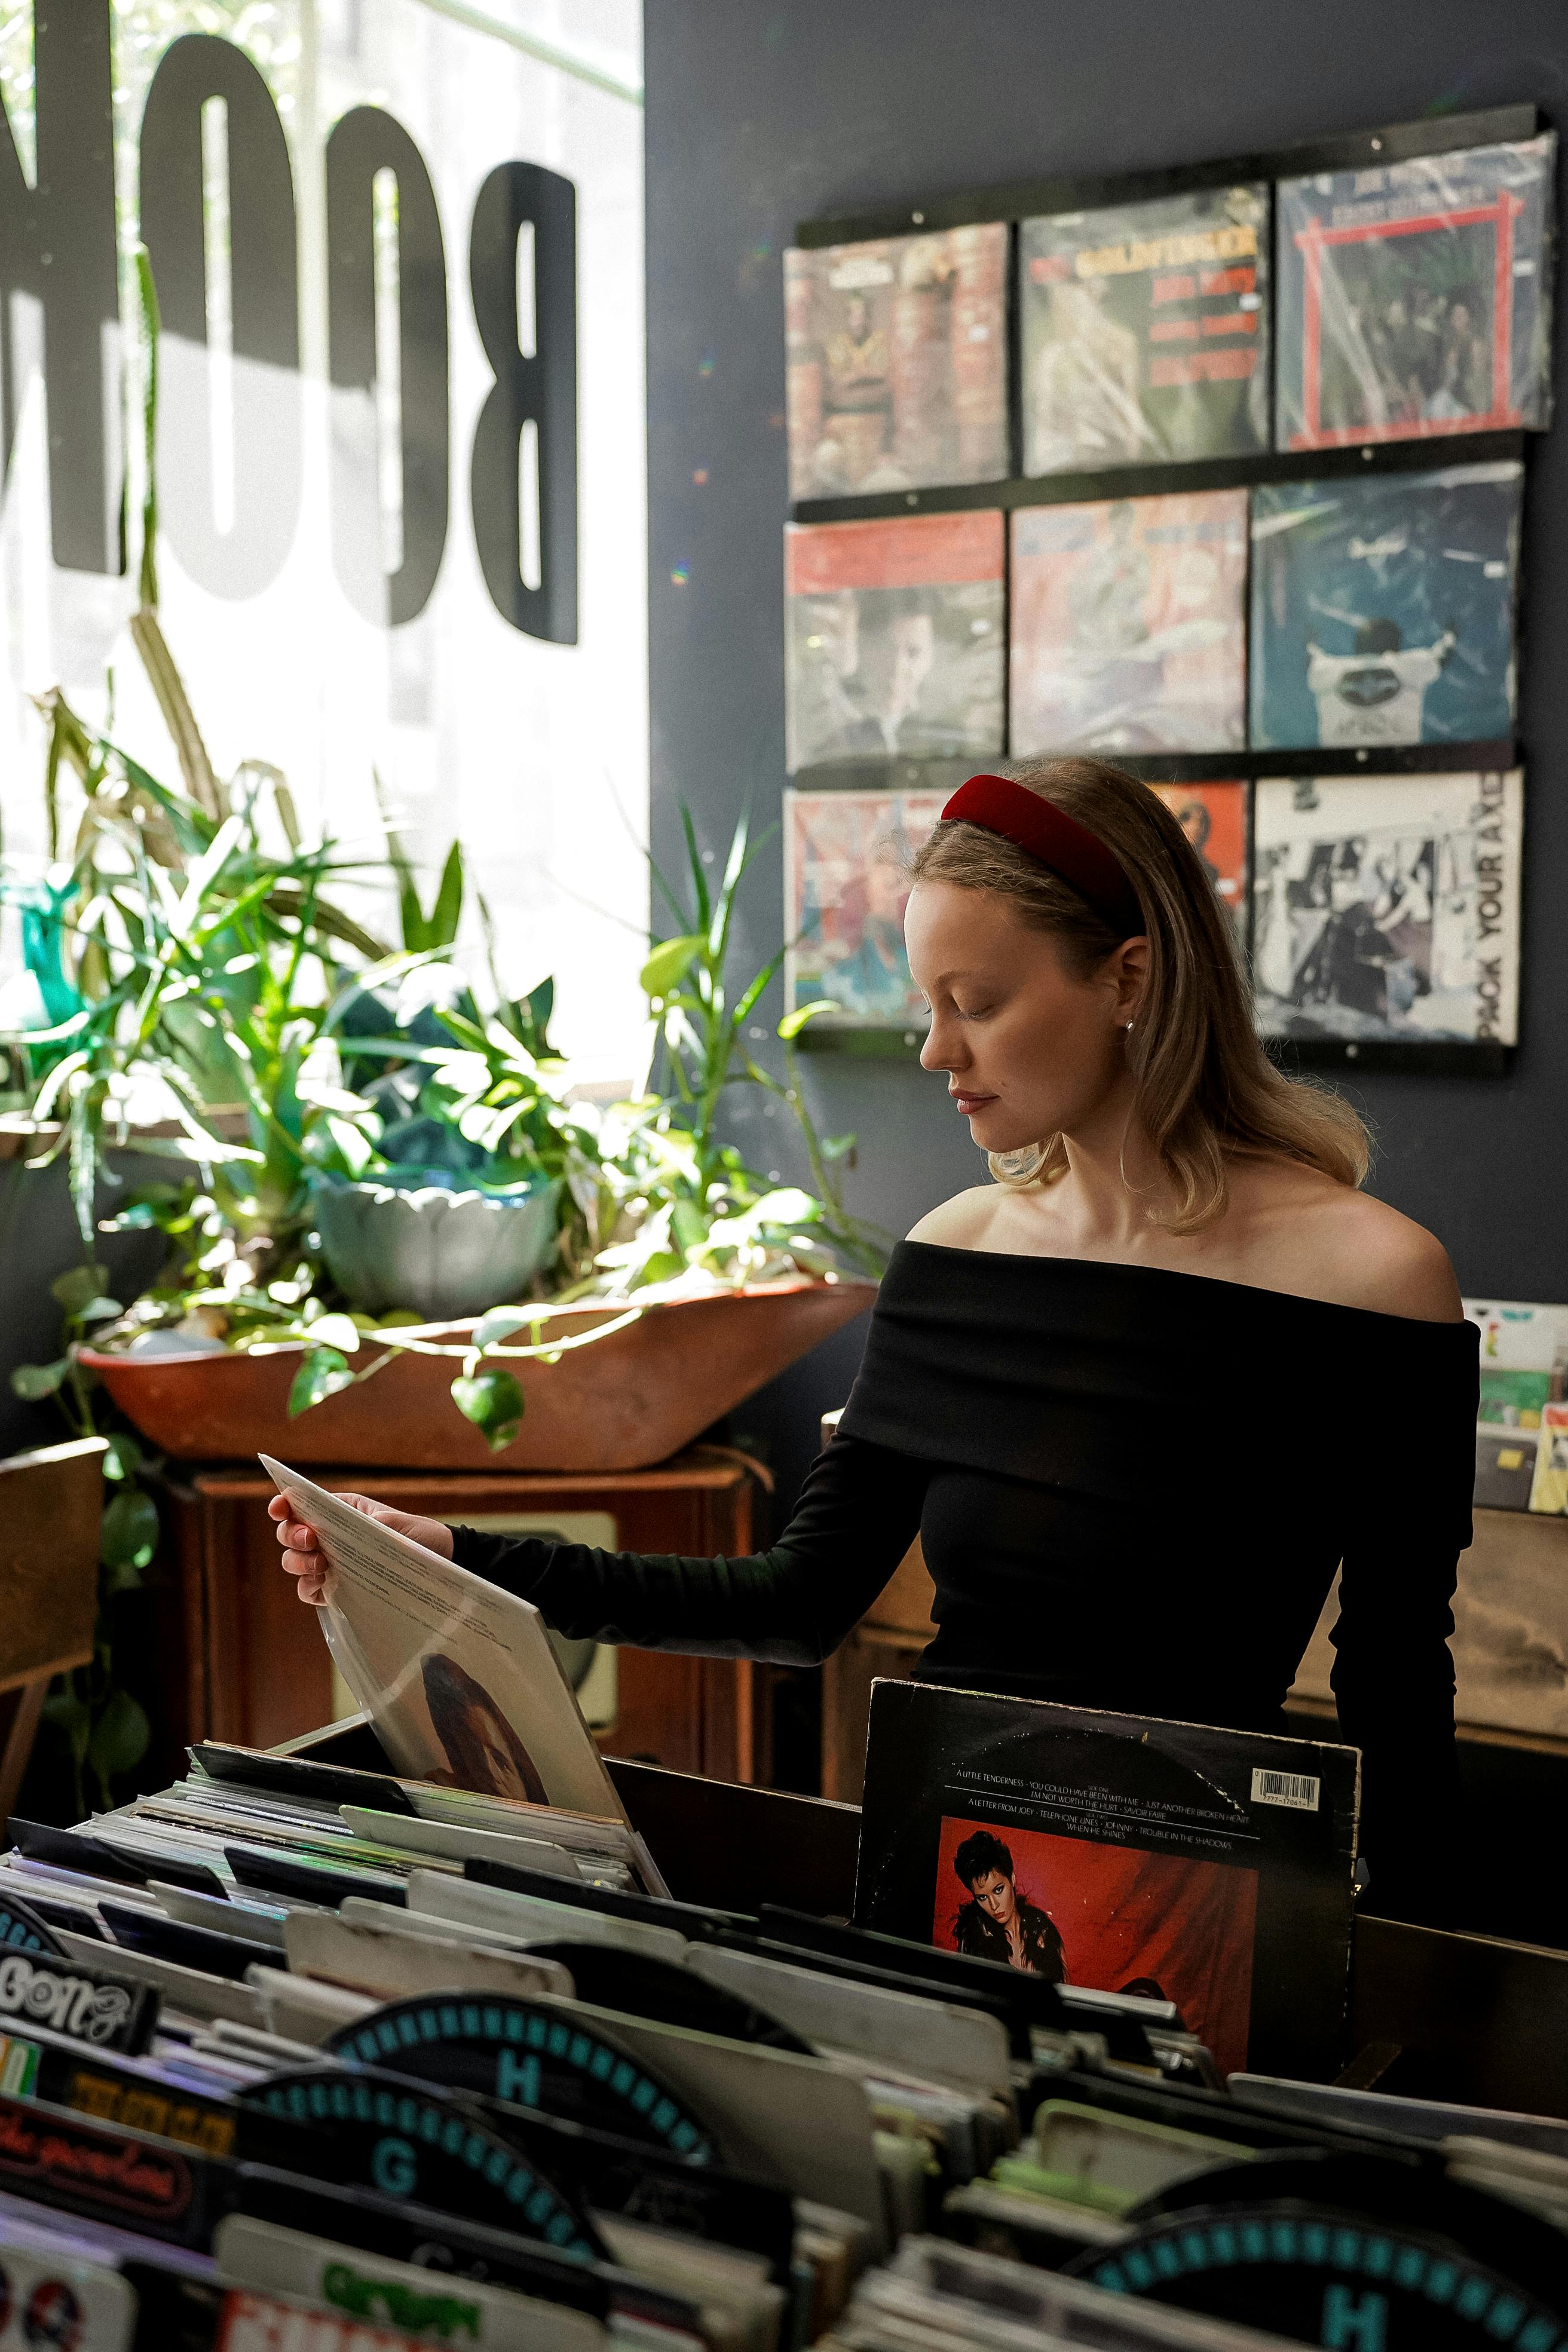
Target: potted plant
[348, 1117]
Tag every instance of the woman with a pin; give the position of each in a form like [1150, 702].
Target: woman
[1141, 1395]
[998, 1923]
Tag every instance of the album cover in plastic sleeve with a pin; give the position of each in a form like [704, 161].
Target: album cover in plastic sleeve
[894, 639]
[1146, 331]
[1207, 1867]
[1214, 816]
[898, 363]
[1517, 1335]
[1128, 624]
[846, 886]
[1387, 907]
[1506, 1464]
[1415, 299]
[1382, 610]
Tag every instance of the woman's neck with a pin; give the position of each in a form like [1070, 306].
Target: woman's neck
[1113, 1180]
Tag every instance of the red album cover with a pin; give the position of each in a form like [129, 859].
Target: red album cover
[1214, 818]
[1114, 1916]
[1181, 1862]
[894, 639]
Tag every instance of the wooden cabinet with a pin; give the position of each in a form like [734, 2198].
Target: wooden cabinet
[50, 1504]
[256, 1670]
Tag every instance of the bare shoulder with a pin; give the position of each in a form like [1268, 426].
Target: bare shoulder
[1364, 1254]
[1396, 1266]
[964, 1222]
[1310, 1234]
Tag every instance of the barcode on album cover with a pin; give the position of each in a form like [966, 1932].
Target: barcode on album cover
[1298, 1788]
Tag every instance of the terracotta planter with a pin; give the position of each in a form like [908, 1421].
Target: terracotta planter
[636, 1398]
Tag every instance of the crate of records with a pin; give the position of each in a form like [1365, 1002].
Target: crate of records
[351, 2049]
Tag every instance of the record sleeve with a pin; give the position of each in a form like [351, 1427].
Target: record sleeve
[1146, 331]
[1214, 818]
[845, 886]
[459, 1678]
[898, 363]
[1517, 1336]
[1208, 1868]
[1416, 299]
[1387, 907]
[1506, 1461]
[1128, 624]
[1382, 610]
[1549, 1488]
[895, 635]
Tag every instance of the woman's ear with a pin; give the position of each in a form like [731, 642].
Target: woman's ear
[1128, 972]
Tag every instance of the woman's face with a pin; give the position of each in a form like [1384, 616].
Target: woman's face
[995, 1896]
[496, 1758]
[1030, 1050]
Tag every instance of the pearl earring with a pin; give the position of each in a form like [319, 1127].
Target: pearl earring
[1130, 1028]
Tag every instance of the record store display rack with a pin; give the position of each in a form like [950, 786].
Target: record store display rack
[295, 2059]
[1219, 474]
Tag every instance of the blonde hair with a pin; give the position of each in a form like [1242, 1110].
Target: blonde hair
[1205, 1088]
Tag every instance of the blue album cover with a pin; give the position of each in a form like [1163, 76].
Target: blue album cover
[1382, 610]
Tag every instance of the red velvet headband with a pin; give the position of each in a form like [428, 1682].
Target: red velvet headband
[998, 805]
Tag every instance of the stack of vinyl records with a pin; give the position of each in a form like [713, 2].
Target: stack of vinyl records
[302, 2057]
[291, 2055]
[290, 2038]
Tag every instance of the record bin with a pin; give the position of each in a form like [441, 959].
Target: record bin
[1468, 2018]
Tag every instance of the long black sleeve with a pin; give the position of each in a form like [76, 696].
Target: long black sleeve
[858, 1512]
[1393, 1674]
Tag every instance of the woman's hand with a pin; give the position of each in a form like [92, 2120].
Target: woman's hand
[302, 1555]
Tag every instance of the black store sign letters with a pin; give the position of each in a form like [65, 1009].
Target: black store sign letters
[57, 244]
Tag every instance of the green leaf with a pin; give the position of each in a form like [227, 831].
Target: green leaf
[662, 1266]
[499, 1323]
[837, 1147]
[128, 1536]
[447, 911]
[100, 1310]
[335, 1332]
[120, 1738]
[33, 1382]
[794, 1023]
[122, 1457]
[79, 1287]
[321, 1375]
[788, 1206]
[669, 964]
[688, 1225]
[494, 1403]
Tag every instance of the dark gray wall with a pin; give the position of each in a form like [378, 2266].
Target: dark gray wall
[760, 114]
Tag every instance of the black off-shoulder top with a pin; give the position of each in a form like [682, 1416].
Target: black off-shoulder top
[1132, 1489]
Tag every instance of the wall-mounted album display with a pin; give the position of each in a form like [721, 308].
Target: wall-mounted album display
[1144, 329]
[846, 886]
[1214, 816]
[1387, 907]
[898, 363]
[1128, 624]
[1415, 299]
[1383, 609]
[895, 638]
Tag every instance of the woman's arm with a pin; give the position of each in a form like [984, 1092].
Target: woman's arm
[858, 1512]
